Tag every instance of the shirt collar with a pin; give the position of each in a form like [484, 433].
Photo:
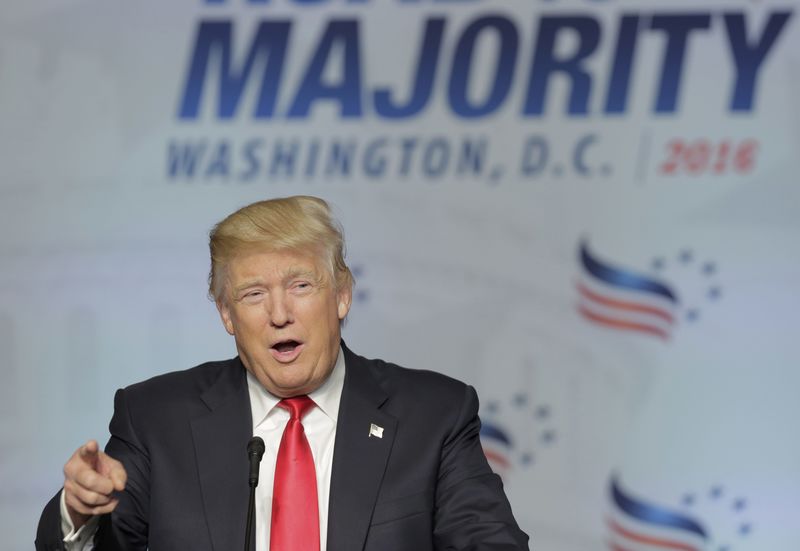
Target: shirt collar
[327, 397]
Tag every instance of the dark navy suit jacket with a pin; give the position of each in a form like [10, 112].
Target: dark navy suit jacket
[424, 485]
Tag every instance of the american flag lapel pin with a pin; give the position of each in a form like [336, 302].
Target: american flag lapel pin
[375, 430]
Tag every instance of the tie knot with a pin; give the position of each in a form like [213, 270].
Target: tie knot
[297, 406]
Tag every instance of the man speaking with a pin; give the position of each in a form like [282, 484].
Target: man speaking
[359, 454]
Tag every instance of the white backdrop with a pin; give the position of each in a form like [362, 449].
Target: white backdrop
[586, 209]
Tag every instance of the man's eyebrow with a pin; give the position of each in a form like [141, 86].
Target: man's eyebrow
[248, 283]
[291, 273]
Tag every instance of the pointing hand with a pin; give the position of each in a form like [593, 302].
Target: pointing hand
[90, 479]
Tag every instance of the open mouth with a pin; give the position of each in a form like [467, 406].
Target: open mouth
[286, 346]
[287, 350]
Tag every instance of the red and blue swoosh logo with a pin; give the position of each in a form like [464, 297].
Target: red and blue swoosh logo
[622, 299]
[637, 525]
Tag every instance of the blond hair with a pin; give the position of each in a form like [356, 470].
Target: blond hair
[300, 223]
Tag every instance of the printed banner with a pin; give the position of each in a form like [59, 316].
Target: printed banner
[585, 209]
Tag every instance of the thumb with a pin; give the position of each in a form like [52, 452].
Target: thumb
[113, 469]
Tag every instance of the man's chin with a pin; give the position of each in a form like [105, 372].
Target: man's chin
[288, 387]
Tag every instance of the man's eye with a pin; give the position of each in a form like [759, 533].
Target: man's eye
[253, 295]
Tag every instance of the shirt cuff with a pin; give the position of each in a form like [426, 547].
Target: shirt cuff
[76, 539]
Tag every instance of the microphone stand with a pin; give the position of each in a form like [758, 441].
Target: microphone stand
[251, 513]
[255, 451]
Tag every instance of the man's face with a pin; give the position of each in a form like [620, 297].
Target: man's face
[284, 310]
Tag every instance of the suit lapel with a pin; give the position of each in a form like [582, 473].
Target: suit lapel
[220, 440]
[360, 456]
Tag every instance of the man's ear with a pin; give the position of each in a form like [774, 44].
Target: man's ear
[344, 298]
[225, 315]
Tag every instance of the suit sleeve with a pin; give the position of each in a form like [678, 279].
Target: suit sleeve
[48, 534]
[472, 511]
[126, 528]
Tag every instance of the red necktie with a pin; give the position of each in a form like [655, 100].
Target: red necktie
[295, 513]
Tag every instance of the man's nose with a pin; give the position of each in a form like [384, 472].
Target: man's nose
[280, 311]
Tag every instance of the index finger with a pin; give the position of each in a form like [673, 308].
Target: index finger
[88, 452]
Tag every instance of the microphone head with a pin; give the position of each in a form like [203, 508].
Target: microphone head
[255, 447]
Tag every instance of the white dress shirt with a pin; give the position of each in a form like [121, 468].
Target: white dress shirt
[268, 423]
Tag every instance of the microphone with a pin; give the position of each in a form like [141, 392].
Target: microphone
[255, 451]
